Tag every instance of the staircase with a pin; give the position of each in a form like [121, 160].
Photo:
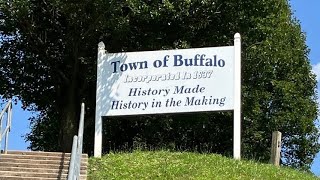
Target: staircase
[32, 165]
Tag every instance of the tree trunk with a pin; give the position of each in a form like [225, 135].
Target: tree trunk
[70, 113]
[69, 127]
[72, 106]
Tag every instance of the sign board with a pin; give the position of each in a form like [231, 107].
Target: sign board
[166, 81]
[172, 81]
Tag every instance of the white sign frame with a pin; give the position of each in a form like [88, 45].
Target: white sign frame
[100, 99]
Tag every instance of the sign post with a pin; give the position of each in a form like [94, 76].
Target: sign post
[237, 98]
[98, 119]
[169, 81]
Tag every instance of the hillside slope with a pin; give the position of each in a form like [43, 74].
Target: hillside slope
[185, 165]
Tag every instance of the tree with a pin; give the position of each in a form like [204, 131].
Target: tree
[48, 60]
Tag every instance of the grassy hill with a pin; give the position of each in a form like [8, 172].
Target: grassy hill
[175, 165]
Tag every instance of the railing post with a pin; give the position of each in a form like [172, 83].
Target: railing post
[275, 148]
[81, 126]
[9, 127]
[5, 132]
[80, 139]
[1, 119]
[10, 115]
[76, 154]
[71, 174]
[6, 142]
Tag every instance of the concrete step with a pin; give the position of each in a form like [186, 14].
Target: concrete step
[37, 157]
[34, 161]
[34, 157]
[27, 178]
[30, 165]
[38, 176]
[30, 174]
[45, 166]
[40, 170]
[33, 178]
[42, 153]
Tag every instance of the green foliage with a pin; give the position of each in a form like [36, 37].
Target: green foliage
[48, 60]
[44, 132]
[169, 165]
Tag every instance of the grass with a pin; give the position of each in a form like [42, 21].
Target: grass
[184, 166]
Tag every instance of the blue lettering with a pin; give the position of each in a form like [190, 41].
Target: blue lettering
[177, 60]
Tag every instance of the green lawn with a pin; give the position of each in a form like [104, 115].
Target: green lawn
[185, 165]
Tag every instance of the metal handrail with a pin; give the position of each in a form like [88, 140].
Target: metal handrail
[5, 133]
[76, 154]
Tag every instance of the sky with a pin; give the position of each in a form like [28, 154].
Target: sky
[306, 11]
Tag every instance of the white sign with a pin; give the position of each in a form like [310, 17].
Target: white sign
[166, 81]
[169, 81]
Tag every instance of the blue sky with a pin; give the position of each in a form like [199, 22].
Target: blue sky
[307, 13]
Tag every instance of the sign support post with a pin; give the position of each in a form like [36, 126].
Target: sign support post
[98, 119]
[237, 98]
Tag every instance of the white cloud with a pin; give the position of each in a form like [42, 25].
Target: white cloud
[316, 70]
